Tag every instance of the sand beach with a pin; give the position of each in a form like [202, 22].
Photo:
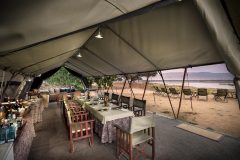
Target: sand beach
[222, 117]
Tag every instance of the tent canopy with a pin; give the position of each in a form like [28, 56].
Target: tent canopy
[139, 36]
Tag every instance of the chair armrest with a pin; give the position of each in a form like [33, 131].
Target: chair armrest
[83, 122]
[90, 120]
[121, 128]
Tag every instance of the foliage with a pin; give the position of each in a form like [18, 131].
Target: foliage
[138, 76]
[102, 82]
[63, 77]
[98, 81]
[107, 81]
[90, 81]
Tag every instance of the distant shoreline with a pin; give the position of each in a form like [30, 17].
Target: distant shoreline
[203, 81]
[210, 84]
[224, 84]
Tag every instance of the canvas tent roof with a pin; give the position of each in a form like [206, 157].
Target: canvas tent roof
[36, 37]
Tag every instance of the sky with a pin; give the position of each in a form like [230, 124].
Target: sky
[217, 68]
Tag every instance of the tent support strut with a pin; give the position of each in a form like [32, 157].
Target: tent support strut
[181, 93]
[123, 86]
[167, 94]
[3, 78]
[130, 85]
[145, 86]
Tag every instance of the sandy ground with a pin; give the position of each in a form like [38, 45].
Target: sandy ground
[223, 117]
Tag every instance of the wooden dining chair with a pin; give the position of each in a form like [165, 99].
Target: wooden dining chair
[64, 96]
[139, 107]
[79, 117]
[76, 95]
[80, 127]
[76, 107]
[125, 102]
[140, 132]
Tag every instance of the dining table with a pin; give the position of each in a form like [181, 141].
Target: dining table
[105, 119]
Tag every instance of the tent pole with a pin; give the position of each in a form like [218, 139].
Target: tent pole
[130, 85]
[160, 72]
[188, 87]
[145, 86]
[3, 77]
[237, 87]
[123, 86]
[180, 102]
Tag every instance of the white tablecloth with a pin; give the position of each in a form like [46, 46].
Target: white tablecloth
[37, 108]
[109, 114]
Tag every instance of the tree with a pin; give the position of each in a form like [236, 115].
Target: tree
[107, 81]
[63, 77]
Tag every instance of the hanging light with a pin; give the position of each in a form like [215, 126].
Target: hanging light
[79, 55]
[99, 35]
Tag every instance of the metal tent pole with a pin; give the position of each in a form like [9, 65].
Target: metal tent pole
[237, 88]
[145, 86]
[160, 72]
[3, 77]
[188, 87]
[130, 85]
[180, 102]
[123, 86]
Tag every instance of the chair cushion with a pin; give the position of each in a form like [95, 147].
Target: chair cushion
[76, 126]
[140, 137]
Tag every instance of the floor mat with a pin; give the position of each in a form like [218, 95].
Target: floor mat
[200, 131]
